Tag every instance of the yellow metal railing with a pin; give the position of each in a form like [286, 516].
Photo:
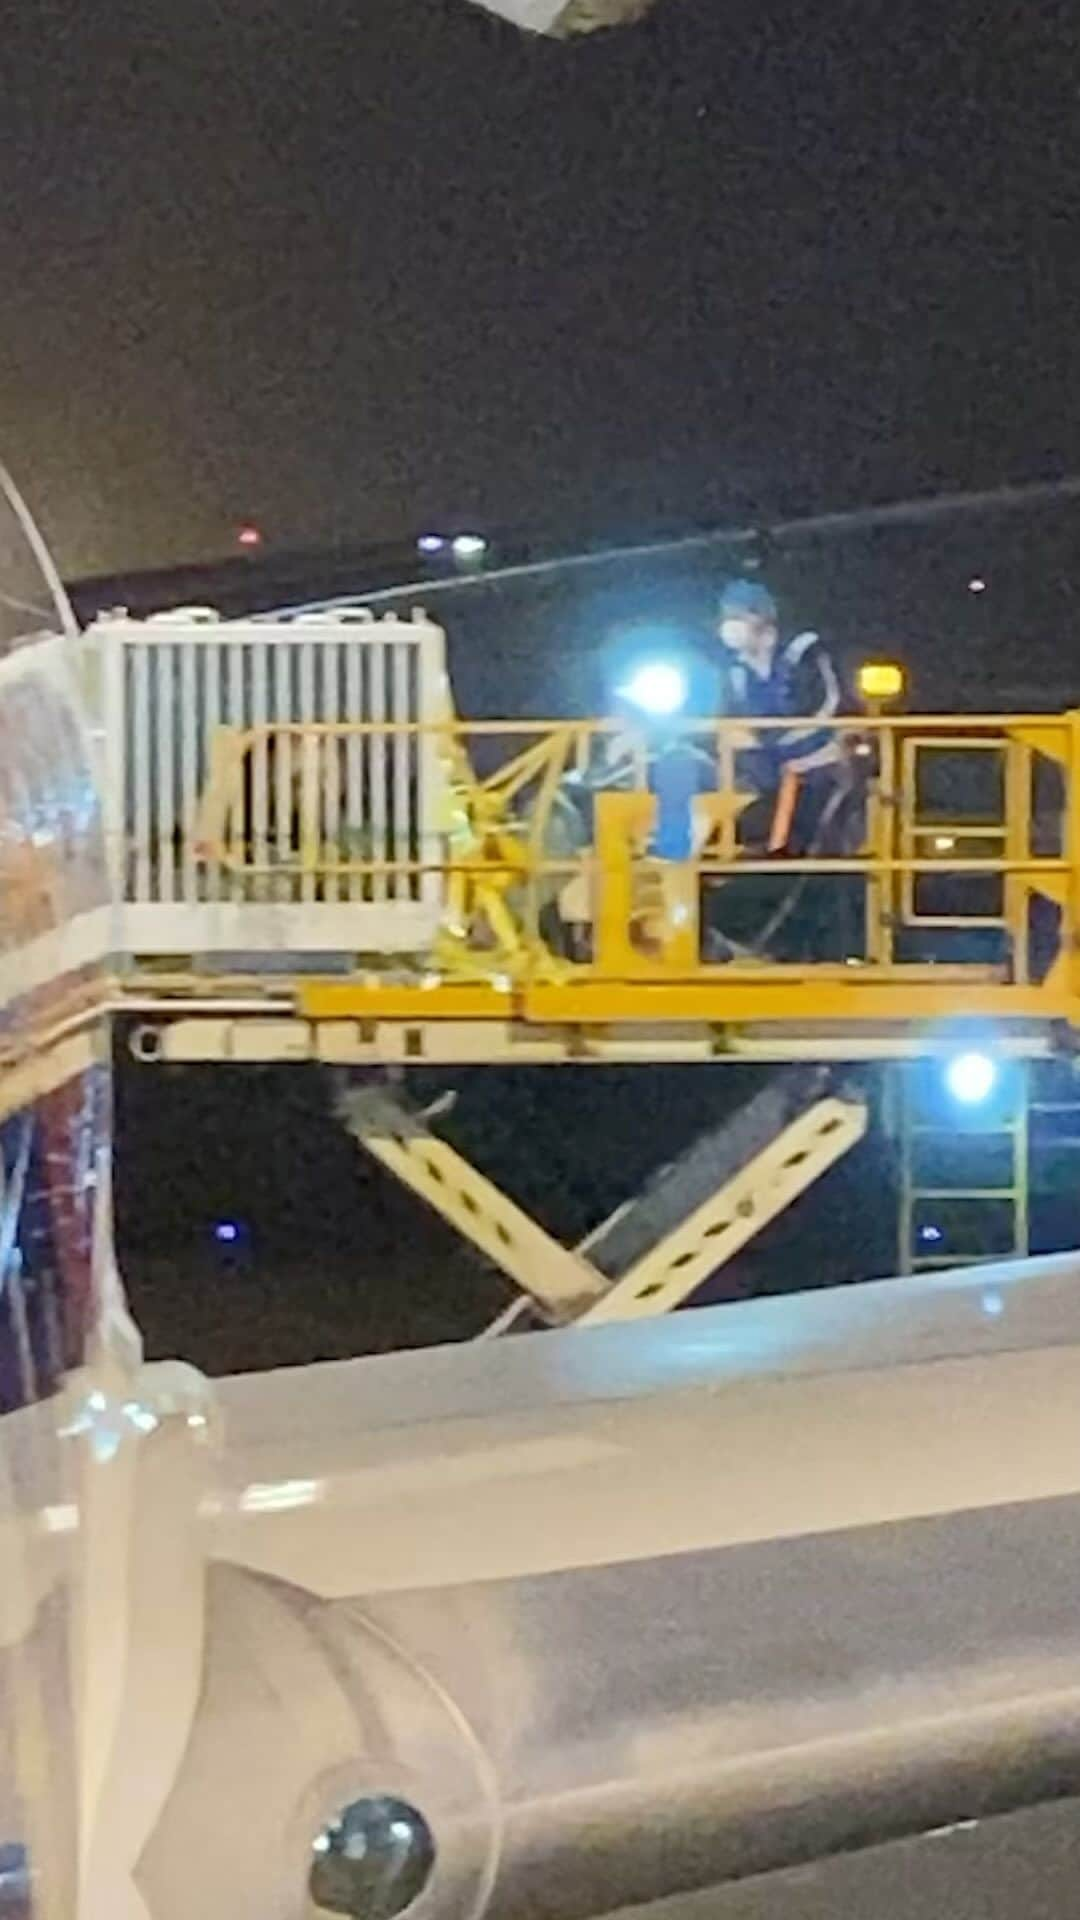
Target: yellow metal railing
[538, 839]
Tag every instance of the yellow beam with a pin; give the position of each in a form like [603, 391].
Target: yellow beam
[717, 997]
[366, 1000]
[1049, 739]
[730, 999]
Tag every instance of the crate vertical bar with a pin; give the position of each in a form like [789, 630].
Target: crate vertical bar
[140, 741]
[377, 761]
[355, 837]
[283, 759]
[310, 836]
[402, 747]
[331, 767]
[260, 761]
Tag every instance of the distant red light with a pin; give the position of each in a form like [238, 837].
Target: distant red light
[249, 537]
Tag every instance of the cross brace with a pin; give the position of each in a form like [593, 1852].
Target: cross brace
[654, 1252]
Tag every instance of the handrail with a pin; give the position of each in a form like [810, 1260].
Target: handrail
[491, 850]
[480, 850]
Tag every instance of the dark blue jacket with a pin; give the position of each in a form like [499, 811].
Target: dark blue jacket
[801, 685]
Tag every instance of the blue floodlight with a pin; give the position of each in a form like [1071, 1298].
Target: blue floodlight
[971, 1078]
[658, 688]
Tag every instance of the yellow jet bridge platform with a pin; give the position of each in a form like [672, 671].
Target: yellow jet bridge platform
[518, 860]
[555, 935]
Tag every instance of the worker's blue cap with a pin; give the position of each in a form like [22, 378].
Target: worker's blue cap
[748, 597]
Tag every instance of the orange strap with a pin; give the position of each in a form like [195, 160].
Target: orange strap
[780, 832]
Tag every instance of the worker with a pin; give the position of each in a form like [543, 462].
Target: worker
[800, 776]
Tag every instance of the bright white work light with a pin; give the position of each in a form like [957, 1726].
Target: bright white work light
[971, 1078]
[470, 546]
[658, 688]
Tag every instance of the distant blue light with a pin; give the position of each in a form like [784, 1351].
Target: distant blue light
[930, 1233]
[226, 1233]
[430, 543]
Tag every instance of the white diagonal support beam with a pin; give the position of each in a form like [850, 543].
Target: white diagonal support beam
[562, 1284]
[656, 1251]
[687, 1256]
[703, 1170]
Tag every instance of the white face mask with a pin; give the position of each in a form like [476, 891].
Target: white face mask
[735, 632]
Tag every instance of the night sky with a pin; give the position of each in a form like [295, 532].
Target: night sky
[349, 271]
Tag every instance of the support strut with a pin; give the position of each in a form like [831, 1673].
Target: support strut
[698, 1214]
[654, 1252]
[561, 1284]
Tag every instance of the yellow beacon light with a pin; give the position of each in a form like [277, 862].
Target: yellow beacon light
[881, 680]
